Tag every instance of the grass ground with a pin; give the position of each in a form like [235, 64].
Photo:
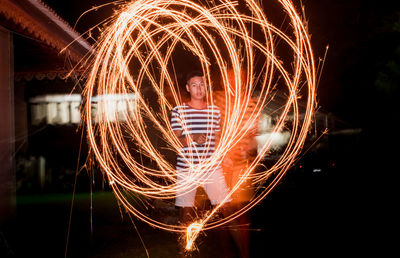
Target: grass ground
[313, 216]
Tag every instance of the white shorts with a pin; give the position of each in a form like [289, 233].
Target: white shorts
[213, 184]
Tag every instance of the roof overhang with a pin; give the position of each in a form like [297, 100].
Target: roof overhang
[34, 19]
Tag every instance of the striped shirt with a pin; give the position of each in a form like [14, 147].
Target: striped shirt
[196, 121]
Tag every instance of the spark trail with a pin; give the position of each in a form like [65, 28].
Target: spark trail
[135, 51]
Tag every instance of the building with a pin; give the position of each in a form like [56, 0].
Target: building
[36, 45]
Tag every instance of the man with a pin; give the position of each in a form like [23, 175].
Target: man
[241, 155]
[197, 126]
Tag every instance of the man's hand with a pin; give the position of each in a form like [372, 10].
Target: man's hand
[199, 138]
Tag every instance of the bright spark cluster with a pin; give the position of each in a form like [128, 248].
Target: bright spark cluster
[135, 52]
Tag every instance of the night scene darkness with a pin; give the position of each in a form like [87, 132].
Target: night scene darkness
[198, 128]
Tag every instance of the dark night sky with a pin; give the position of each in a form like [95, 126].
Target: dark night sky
[346, 26]
[361, 42]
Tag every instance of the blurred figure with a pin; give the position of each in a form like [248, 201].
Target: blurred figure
[237, 161]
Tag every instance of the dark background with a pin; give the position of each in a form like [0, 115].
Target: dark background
[351, 207]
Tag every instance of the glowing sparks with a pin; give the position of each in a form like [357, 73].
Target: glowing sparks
[134, 54]
[192, 232]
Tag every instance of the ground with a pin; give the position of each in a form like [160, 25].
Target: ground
[310, 213]
[325, 205]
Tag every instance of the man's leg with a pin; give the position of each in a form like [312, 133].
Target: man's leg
[240, 229]
[217, 191]
[185, 201]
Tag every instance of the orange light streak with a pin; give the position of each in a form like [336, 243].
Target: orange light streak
[146, 32]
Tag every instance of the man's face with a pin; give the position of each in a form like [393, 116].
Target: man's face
[196, 87]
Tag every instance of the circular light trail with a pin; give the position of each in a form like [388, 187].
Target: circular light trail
[135, 53]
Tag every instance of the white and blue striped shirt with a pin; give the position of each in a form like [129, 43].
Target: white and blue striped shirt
[196, 121]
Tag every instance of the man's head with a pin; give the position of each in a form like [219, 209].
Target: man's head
[195, 85]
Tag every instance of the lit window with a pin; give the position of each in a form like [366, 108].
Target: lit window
[55, 109]
[65, 109]
[113, 107]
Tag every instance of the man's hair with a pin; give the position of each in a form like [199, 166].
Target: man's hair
[195, 73]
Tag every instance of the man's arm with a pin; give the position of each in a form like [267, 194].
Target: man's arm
[187, 140]
[183, 139]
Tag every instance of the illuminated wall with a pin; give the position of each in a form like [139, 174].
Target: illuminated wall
[65, 108]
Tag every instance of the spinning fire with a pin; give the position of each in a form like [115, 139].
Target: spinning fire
[136, 49]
